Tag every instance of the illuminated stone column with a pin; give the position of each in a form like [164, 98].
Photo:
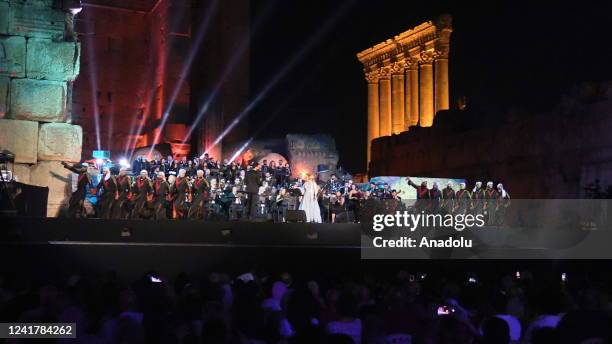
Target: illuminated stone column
[397, 98]
[426, 103]
[373, 115]
[441, 82]
[411, 116]
[384, 99]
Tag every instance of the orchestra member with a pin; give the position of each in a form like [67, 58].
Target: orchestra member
[252, 181]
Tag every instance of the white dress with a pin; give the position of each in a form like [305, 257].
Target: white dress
[309, 204]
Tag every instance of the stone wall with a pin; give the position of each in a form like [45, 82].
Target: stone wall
[306, 152]
[547, 155]
[37, 67]
[132, 65]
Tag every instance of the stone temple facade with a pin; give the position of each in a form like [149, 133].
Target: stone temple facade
[305, 153]
[39, 60]
[407, 79]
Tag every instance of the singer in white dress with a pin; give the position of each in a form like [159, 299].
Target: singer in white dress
[310, 204]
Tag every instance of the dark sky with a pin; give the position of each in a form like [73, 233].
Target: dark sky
[517, 54]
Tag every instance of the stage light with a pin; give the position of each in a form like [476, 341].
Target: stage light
[241, 149]
[124, 163]
[184, 72]
[305, 48]
[93, 82]
[99, 161]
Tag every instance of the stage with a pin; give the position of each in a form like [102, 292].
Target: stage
[59, 246]
[133, 246]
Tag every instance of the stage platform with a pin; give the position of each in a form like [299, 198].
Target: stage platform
[133, 246]
[130, 247]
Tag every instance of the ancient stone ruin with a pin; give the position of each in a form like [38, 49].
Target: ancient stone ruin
[304, 152]
[307, 152]
[39, 60]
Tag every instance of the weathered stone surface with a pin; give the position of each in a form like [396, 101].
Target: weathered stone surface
[22, 173]
[52, 60]
[21, 138]
[4, 15]
[53, 175]
[60, 141]
[306, 152]
[35, 19]
[4, 95]
[38, 100]
[12, 56]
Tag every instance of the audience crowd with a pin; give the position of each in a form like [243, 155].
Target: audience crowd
[259, 308]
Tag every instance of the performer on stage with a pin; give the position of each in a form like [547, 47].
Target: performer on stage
[181, 194]
[478, 199]
[423, 195]
[436, 197]
[464, 200]
[122, 206]
[309, 203]
[337, 205]
[142, 189]
[503, 202]
[75, 204]
[200, 196]
[162, 190]
[107, 194]
[448, 198]
[490, 199]
[252, 180]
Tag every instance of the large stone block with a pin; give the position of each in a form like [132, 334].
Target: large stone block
[21, 138]
[53, 175]
[4, 16]
[60, 141]
[38, 100]
[52, 60]
[22, 173]
[12, 56]
[4, 95]
[35, 19]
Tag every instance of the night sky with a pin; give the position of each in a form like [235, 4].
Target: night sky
[514, 54]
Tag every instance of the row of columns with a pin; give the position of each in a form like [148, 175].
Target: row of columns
[406, 93]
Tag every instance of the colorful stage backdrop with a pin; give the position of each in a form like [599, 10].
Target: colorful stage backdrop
[407, 191]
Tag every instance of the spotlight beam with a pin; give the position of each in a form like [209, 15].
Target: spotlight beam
[268, 120]
[295, 59]
[93, 82]
[227, 72]
[185, 70]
